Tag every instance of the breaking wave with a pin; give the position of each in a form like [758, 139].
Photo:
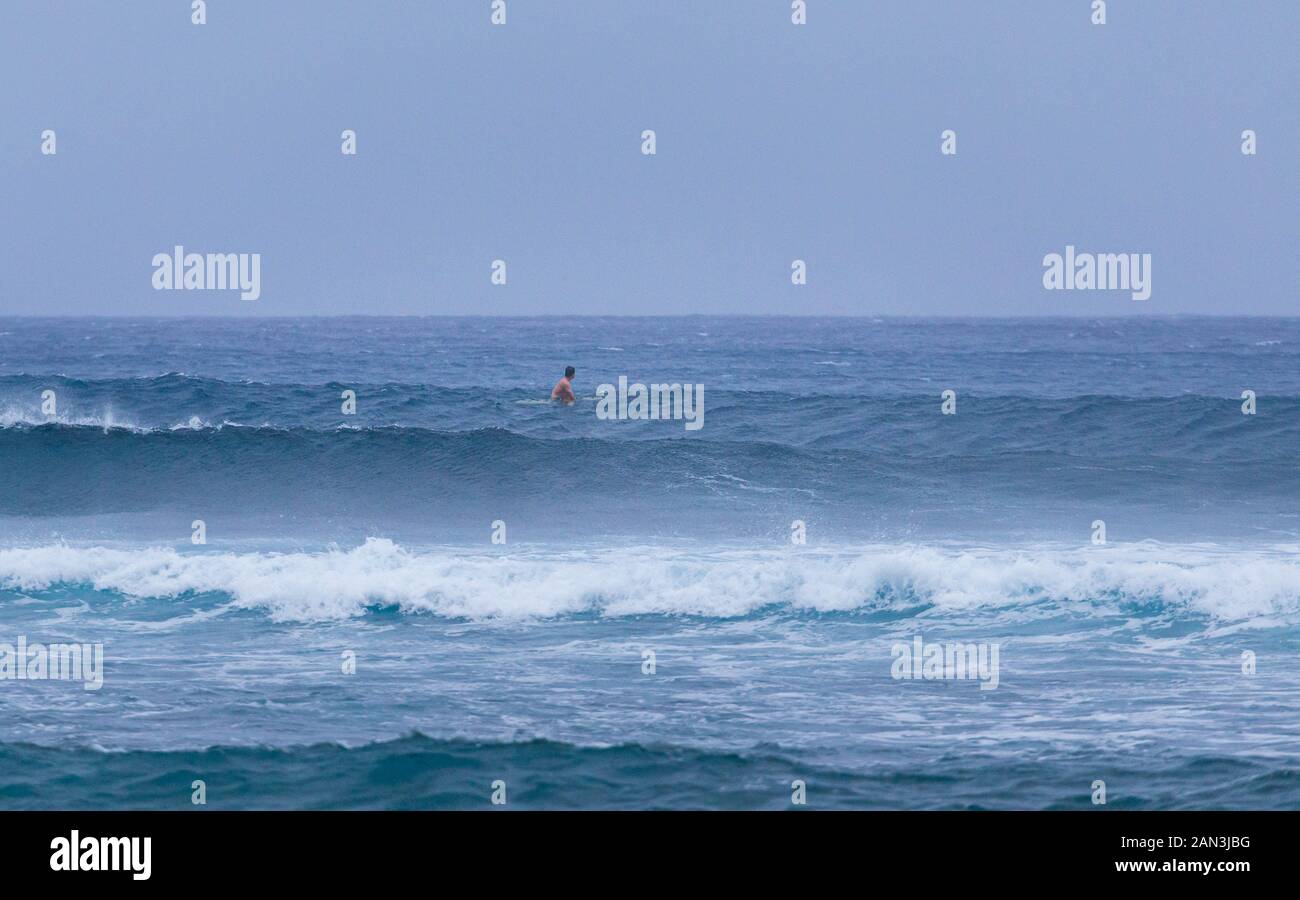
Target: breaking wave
[1257, 587]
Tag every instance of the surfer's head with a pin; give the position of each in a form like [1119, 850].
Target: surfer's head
[569, 371]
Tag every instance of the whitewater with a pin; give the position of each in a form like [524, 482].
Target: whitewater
[1221, 585]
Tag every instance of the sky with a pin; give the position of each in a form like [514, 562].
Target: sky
[774, 142]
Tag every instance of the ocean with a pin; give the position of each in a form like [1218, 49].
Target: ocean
[461, 592]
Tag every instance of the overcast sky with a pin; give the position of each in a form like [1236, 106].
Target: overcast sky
[775, 142]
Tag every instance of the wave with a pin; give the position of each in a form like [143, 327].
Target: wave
[427, 463]
[1237, 480]
[1145, 580]
[1192, 427]
[421, 772]
[412, 772]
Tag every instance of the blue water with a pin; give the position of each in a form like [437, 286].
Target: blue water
[370, 534]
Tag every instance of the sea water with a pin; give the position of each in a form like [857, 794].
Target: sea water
[460, 584]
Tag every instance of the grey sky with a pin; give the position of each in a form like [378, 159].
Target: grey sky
[775, 142]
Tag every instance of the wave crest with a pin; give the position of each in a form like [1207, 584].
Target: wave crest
[1134, 580]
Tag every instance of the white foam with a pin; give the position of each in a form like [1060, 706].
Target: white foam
[16, 416]
[1228, 586]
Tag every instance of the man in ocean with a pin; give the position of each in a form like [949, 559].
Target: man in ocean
[563, 390]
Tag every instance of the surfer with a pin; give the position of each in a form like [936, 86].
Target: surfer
[563, 390]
